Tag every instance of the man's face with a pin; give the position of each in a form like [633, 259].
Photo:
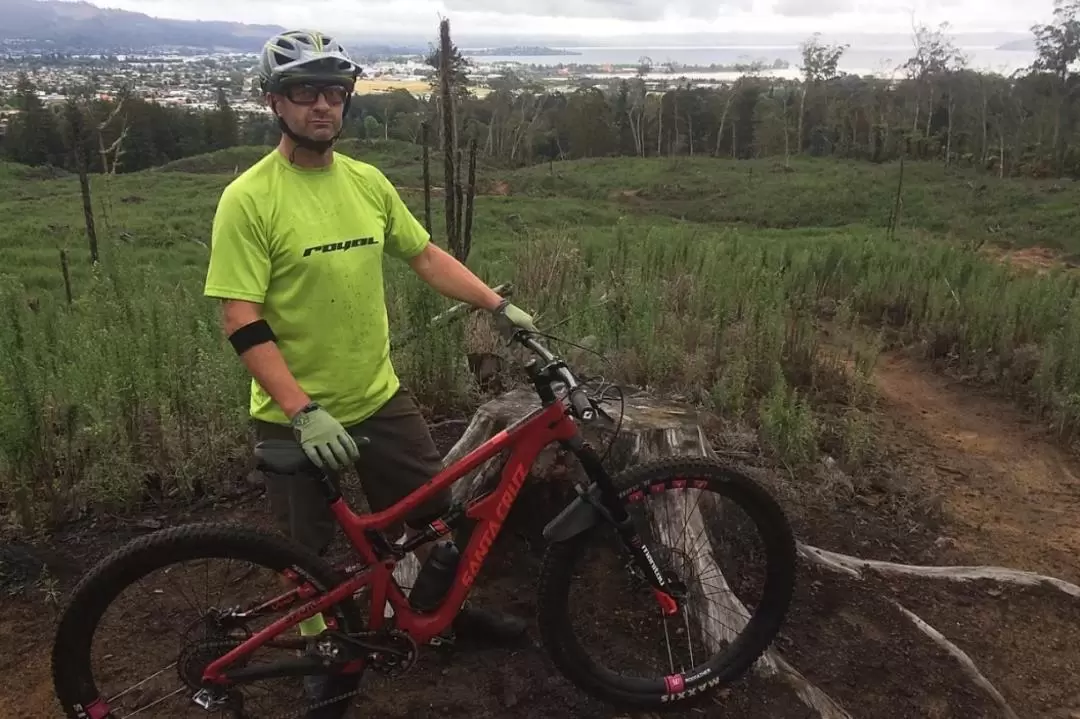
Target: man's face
[314, 110]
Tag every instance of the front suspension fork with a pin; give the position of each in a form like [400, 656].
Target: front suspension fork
[611, 508]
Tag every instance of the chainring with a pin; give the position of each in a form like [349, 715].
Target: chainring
[398, 663]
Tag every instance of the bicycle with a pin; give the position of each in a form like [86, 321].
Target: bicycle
[215, 662]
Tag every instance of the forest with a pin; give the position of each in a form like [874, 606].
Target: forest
[934, 108]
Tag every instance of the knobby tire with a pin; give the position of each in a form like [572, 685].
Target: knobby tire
[653, 694]
[72, 675]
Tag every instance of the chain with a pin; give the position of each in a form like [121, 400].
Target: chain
[318, 705]
[229, 644]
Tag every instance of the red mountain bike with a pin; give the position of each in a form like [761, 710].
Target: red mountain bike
[219, 659]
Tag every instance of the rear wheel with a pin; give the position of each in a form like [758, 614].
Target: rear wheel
[142, 625]
[695, 515]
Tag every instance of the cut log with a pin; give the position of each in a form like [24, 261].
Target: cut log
[651, 428]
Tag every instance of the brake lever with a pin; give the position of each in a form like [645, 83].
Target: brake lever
[602, 412]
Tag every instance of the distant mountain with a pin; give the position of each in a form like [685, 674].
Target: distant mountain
[83, 26]
[1025, 45]
[517, 51]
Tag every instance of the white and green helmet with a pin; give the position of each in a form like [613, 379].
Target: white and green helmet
[305, 56]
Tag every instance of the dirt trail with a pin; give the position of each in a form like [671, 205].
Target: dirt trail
[1013, 496]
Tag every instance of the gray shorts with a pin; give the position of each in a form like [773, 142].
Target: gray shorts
[400, 458]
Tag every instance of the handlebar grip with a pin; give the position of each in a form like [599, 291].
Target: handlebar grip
[582, 406]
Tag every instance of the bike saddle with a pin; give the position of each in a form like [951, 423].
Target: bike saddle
[286, 456]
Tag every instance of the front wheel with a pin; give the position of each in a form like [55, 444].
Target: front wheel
[705, 524]
[142, 626]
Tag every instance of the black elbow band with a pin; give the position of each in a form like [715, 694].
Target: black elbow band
[255, 333]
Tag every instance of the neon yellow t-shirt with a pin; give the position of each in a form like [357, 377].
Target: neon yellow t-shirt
[308, 244]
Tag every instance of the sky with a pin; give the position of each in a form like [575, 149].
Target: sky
[606, 18]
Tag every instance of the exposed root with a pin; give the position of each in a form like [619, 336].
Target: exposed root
[813, 697]
[965, 661]
[854, 566]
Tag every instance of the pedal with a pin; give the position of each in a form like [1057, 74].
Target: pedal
[207, 701]
[440, 640]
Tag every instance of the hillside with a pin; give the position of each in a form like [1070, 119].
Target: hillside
[82, 25]
[908, 396]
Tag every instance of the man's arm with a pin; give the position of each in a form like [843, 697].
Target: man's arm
[446, 275]
[264, 361]
[407, 239]
[239, 275]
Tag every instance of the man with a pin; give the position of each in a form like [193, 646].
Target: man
[296, 258]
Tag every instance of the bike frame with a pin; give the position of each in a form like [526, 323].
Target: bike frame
[526, 438]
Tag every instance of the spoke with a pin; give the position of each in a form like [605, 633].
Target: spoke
[144, 681]
[154, 704]
[689, 638]
[667, 640]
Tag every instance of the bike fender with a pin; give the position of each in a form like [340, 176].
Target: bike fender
[576, 517]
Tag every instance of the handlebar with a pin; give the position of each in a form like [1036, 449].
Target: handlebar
[579, 400]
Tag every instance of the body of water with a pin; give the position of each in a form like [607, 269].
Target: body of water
[880, 61]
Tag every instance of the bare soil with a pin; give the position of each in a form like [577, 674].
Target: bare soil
[1011, 495]
[959, 478]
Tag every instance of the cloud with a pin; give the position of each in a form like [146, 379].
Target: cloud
[599, 18]
[633, 10]
[812, 8]
[873, 8]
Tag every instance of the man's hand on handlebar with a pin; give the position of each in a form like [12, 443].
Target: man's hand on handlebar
[509, 318]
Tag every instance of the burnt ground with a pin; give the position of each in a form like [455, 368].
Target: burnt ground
[958, 478]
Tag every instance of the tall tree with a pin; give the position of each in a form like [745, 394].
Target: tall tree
[820, 64]
[459, 69]
[1058, 47]
[936, 57]
[33, 136]
[222, 126]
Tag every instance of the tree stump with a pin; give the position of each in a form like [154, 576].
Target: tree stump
[650, 428]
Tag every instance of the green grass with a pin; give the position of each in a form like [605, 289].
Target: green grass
[709, 283]
[400, 161]
[963, 204]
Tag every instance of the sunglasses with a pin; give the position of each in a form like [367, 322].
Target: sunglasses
[308, 94]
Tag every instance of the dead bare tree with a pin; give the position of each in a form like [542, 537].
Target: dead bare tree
[115, 150]
[449, 133]
[470, 202]
[67, 276]
[77, 126]
[425, 135]
[894, 217]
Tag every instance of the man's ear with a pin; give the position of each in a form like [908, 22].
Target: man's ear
[271, 102]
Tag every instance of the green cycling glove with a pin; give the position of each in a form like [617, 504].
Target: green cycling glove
[323, 439]
[509, 318]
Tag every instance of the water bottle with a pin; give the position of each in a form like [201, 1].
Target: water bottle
[435, 577]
